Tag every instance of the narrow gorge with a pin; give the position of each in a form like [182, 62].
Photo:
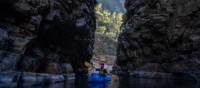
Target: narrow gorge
[57, 36]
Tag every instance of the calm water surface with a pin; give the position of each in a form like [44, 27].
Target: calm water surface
[124, 82]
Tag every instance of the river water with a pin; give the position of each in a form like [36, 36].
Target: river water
[124, 82]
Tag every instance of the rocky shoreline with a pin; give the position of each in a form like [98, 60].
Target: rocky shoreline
[15, 77]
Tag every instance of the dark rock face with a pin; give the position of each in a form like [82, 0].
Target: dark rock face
[45, 35]
[160, 36]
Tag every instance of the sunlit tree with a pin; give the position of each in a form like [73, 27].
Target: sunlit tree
[108, 23]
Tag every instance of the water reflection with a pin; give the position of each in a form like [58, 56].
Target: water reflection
[157, 83]
[98, 85]
[124, 82]
[81, 82]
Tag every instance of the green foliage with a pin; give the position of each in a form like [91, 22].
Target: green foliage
[108, 27]
[101, 29]
[108, 23]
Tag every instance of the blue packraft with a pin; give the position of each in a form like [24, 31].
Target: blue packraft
[95, 77]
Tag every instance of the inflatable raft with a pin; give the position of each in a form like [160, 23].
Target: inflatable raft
[97, 78]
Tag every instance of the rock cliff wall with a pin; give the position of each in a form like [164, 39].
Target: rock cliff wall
[160, 36]
[45, 35]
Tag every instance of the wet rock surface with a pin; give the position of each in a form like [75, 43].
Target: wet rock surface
[45, 35]
[160, 36]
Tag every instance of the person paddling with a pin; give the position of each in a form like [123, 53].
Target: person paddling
[102, 71]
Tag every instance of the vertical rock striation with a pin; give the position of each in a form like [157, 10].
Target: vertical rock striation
[46, 35]
[160, 36]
